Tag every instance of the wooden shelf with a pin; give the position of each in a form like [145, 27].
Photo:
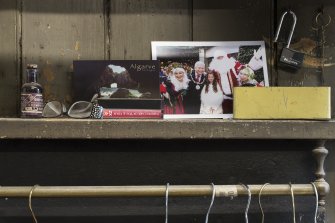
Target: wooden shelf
[16, 128]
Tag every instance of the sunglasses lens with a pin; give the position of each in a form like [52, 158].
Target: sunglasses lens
[52, 109]
[80, 109]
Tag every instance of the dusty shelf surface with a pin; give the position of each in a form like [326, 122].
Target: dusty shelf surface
[65, 128]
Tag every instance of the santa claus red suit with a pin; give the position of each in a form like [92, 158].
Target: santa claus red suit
[228, 68]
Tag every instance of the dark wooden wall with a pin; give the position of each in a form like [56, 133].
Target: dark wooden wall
[54, 33]
[306, 40]
[154, 162]
[10, 76]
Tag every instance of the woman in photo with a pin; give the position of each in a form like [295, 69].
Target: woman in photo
[173, 91]
[247, 78]
[212, 95]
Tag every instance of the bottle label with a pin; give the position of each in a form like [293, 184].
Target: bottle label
[31, 105]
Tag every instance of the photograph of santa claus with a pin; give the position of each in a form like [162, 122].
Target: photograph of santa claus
[198, 78]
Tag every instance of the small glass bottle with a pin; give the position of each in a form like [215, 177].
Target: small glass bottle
[31, 94]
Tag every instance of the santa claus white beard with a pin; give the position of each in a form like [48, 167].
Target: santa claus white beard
[223, 67]
[179, 85]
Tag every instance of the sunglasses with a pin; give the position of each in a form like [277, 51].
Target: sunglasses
[79, 109]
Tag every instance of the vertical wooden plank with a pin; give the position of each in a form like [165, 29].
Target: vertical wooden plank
[134, 24]
[239, 20]
[9, 79]
[55, 34]
[305, 40]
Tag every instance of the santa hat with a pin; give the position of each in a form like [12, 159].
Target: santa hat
[220, 53]
[179, 69]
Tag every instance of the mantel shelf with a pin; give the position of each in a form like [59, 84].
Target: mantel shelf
[64, 128]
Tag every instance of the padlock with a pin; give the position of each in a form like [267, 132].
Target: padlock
[289, 57]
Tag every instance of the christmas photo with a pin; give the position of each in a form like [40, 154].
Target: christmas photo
[197, 78]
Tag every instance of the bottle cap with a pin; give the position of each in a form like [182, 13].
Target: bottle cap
[32, 66]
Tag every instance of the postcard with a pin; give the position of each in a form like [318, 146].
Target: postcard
[121, 84]
[197, 78]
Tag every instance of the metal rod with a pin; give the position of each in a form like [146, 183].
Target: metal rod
[156, 191]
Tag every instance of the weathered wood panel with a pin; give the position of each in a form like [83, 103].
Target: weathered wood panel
[240, 20]
[305, 39]
[9, 79]
[134, 24]
[55, 34]
[50, 39]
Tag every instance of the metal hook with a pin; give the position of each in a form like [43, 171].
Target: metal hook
[30, 206]
[317, 20]
[166, 202]
[316, 201]
[259, 200]
[319, 26]
[293, 203]
[248, 204]
[211, 204]
[292, 28]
